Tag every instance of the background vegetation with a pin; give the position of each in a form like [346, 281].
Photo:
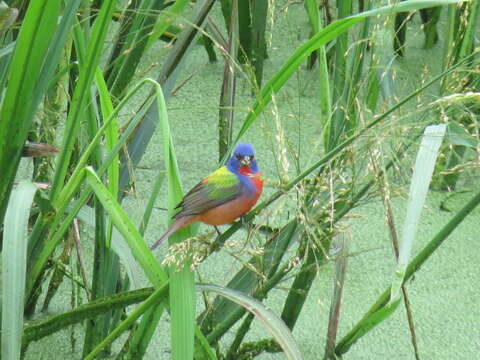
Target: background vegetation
[341, 100]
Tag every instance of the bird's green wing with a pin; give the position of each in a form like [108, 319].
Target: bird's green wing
[216, 189]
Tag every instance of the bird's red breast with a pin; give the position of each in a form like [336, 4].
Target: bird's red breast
[232, 210]
[255, 178]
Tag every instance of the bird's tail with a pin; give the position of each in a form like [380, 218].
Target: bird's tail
[178, 224]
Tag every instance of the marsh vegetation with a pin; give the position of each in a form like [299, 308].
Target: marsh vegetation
[364, 117]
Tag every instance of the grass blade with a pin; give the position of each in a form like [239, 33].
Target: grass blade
[338, 122]
[376, 313]
[182, 285]
[111, 136]
[325, 97]
[41, 329]
[244, 36]
[16, 113]
[227, 96]
[151, 201]
[86, 214]
[143, 333]
[270, 320]
[298, 292]
[430, 19]
[152, 300]
[259, 11]
[422, 174]
[14, 258]
[167, 78]
[81, 94]
[133, 46]
[122, 222]
[342, 244]
[166, 18]
[327, 34]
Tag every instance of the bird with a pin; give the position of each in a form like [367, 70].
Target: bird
[223, 196]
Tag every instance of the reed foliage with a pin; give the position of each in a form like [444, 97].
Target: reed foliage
[72, 74]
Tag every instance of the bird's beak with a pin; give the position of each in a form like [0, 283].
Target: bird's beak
[245, 161]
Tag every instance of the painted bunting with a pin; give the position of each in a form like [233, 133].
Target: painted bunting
[223, 196]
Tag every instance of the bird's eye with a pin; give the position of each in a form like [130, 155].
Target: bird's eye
[251, 157]
[239, 157]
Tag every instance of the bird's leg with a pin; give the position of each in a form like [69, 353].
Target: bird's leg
[218, 231]
[245, 223]
[242, 220]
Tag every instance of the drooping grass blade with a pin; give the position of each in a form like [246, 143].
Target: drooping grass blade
[167, 78]
[269, 319]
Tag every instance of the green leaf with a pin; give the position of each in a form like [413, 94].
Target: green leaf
[144, 331]
[134, 44]
[165, 19]
[321, 38]
[87, 215]
[227, 94]
[81, 94]
[342, 244]
[380, 309]
[151, 201]
[324, 81]
[422, 175]
[269, 319]
[8, 15]
[151, 301]
[167, 78]
[17, 111]
[46, 327]
[14, 259]
[182, 286]
[458, 135]
[125, 226]
[111, 135]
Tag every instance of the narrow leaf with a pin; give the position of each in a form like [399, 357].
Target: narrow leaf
[270, 320]
[182, 286]
[14, 259]
[327, 34]
[382, 305]
[152, 300]
[422, 174]
[133, 270]
[122, 222]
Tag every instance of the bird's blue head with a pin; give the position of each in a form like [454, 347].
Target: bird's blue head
[243, 158]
